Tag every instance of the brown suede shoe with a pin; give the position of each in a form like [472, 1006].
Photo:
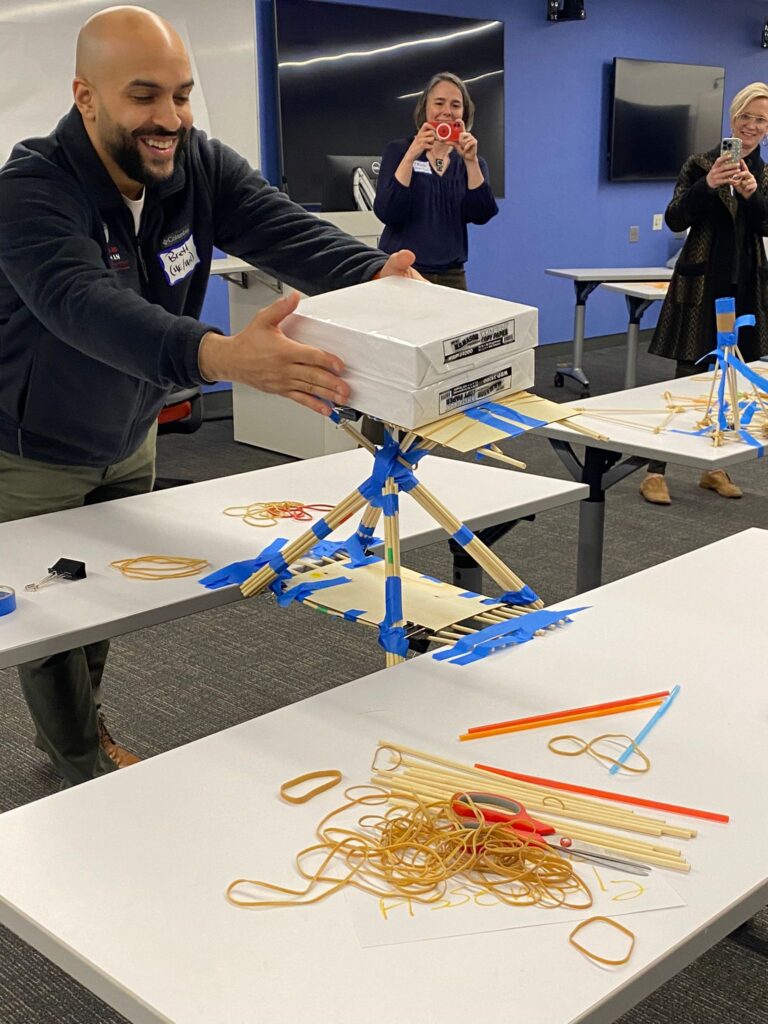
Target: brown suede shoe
[123, 758]
[654, 489]
[719, 481]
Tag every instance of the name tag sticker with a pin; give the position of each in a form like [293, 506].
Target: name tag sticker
[179, 261]
[422, 167]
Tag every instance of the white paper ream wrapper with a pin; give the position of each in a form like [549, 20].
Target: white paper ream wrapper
[414, 407]
[413, 332]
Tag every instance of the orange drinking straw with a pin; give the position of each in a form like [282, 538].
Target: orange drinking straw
[623, 798]
[559, 721]
[570, 711]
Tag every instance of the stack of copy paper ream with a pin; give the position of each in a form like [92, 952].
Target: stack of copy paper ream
[415, 351]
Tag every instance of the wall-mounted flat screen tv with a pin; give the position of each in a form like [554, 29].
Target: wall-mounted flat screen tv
[661, 113]
[349, 78]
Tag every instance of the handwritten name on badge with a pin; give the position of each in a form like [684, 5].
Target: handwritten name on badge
[179, 261]
[422, 167]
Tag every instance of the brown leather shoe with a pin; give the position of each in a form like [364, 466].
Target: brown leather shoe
[123, 758]
[718, 480]
[654, 489]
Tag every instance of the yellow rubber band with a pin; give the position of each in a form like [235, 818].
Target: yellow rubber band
[594, 956]
[333, 777]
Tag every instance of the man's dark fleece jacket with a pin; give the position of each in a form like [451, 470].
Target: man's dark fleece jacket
[97, 325]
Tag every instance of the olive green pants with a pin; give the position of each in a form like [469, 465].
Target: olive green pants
[62, 691]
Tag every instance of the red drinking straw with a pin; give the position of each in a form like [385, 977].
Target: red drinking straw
[570, 711]
[623, 798]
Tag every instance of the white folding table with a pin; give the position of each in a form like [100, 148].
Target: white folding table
[640, 296]
[585, 280]
[158, 843]
[602, 467]
[188, 521]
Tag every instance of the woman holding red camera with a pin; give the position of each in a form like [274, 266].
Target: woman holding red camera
[433, 184]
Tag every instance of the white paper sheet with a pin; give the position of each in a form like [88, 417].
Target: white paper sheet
[383, 922]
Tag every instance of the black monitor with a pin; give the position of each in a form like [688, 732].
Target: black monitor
[661, 114]
[344, 187]
[350, 74]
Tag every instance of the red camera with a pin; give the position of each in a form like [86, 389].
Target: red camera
[447, 131]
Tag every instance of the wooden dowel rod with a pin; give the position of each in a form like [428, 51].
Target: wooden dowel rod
[299, 547]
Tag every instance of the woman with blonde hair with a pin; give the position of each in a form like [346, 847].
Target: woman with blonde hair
[725, 206]
[432, 184]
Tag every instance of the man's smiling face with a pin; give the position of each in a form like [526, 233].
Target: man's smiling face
[133, 90]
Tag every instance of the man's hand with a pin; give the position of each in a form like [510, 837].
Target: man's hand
[262, 357]
[400, 264]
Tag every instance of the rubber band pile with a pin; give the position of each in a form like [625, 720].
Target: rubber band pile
[413, 850]
[267, 513]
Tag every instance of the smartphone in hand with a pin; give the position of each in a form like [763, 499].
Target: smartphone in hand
[732, 149]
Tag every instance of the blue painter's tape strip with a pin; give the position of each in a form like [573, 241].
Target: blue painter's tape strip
[504, 412]
[478, 413]
[524, 596]
[432, 579]
[463, 536]
[747, 320]
[393, 599]
[306, 589]
[748, 410]
[504, 634]
[354, 614]
[321, 529]
[746, 371]
[278, 565]
[750, 440]
[389, 504]
[238, 572]
[468, 593]
[725, 305]
[7, 600]
[393, 639]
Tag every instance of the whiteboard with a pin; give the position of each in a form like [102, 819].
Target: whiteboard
[37, 55]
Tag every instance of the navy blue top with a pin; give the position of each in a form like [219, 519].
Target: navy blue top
[430, 216]
[97, 324]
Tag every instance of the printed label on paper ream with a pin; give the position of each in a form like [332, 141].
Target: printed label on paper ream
[179, 261]
[475, 390]
[484, 340]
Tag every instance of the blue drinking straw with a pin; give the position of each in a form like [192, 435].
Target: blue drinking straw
[644, 731]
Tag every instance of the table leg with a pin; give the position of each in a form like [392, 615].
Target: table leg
[583, 290]
[600, 470]
[636, 309]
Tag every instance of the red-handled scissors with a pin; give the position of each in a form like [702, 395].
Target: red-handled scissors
[488, 807]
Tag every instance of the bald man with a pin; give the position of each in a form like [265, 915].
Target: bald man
[107, 227]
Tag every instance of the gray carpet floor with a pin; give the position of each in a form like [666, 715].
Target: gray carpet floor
[153, 707]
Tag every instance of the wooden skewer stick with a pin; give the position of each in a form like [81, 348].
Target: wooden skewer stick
[299, 547]
[392, 559]
[485, 558]
[491, 451]
[581, 429]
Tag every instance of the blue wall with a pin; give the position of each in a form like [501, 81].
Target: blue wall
[560, 209]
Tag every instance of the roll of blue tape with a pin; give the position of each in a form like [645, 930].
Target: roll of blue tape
[7, 600]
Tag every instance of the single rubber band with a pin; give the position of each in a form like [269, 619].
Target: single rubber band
[333, 779]
[594, 956]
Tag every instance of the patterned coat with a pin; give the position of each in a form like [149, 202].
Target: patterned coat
[704, 270]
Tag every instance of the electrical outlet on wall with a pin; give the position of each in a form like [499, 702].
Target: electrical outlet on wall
[634, 233]
[658, 221]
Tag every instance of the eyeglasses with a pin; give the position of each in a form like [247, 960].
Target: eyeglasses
[761, 123]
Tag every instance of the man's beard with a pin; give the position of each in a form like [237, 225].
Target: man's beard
[123, 147]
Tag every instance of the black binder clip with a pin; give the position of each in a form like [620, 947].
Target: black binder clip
[64, 569]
